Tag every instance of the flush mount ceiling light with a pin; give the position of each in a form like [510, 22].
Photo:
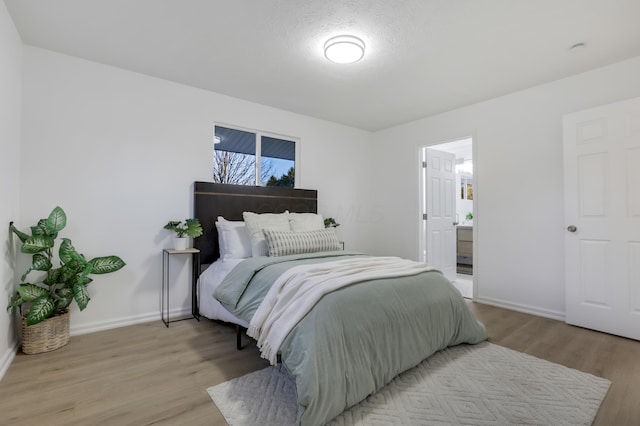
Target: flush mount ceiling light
[344, 49]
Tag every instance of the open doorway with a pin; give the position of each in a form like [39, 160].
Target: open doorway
[461, 234]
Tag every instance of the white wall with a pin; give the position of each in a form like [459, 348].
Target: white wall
[10, 110]
[518, 178]
[119, 151]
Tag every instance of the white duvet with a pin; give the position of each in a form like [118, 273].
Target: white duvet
[208, 282]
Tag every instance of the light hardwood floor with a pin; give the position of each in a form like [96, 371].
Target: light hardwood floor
[150, 375]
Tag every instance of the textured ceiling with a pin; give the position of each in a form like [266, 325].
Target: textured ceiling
[423, 56]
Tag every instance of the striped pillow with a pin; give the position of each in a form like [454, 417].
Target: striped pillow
[282, 243]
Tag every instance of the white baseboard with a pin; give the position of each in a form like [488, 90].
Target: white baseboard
[7, 358]
[123, 322]
[527, 309]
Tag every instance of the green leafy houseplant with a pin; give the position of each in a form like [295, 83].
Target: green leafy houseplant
[57, 287]
[189, 227]
[330, 223]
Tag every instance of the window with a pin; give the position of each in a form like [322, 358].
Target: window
[244, 157]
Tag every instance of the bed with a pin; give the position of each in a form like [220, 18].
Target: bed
[342, 323]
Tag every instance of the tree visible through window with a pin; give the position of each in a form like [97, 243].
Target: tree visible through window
[239, 156]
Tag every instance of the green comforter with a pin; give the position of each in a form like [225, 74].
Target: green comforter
[355, 340]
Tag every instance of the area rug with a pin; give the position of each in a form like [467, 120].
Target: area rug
[483, 384]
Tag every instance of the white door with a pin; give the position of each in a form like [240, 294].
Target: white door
[440, 188]
[602, 218]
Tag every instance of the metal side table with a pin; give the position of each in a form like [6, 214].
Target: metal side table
[195, 255]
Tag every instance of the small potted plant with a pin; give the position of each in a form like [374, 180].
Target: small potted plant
[330, 223]
[45, 326]
[189, 228]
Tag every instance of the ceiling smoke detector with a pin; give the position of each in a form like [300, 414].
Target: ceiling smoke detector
[578, 46]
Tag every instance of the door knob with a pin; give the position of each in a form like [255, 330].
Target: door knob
[571, 228]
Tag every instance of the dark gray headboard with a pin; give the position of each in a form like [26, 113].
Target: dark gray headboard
[229, 201]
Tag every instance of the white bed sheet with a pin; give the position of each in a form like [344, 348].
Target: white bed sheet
[209, 280]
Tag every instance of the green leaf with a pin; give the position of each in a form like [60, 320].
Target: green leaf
[63, 298]
[40, 263]
[16, 301]
[64, 292]
[106, 264]
[37, 243]
[61, 305]
[37, 230]
[172, 225]
[42, 229]
[57, 220]
[31, 292]
[53, 277]
[67, 251]
[40, 310]
[194, 229]
[87, 270]
[81, 295]
[21, 235]
[69, 272]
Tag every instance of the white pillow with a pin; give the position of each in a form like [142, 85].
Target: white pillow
[257, 222]
[223, 249]
[301, 222]
[234, 239]
[282, 243]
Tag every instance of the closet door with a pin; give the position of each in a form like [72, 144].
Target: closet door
[602, 218]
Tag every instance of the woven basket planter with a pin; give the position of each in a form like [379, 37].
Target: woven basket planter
[46, 336]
